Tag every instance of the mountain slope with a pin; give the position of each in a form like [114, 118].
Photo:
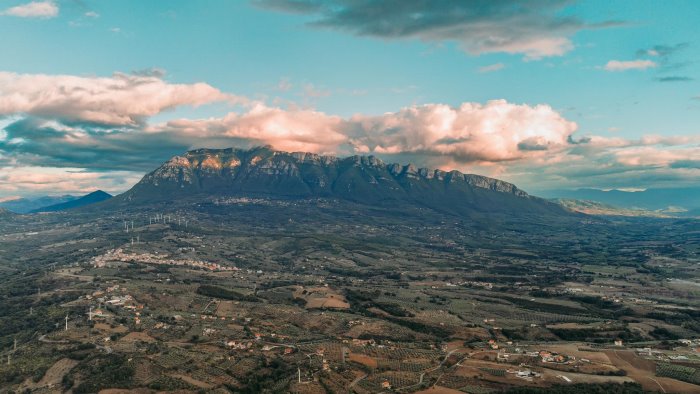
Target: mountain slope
[263, 172]
[597, 208]
[650, 199]
[26, 205]
[87, 199]
[6, 213]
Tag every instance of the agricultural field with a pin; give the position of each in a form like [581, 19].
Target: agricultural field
[424, 305]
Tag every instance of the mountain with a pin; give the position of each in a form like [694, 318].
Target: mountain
[667, 200]
[6, 213]
[26, 205]
[263, 172]
[597, 208]
[92, 198]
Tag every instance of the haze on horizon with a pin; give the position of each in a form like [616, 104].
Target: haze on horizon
[546, 95]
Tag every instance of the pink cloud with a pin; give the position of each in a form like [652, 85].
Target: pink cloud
[30, 179]
[653, 156]
[496, 131]
[297, 130]
[517, 142]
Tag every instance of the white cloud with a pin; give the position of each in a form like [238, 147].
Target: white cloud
[617, 65]
[92, 14]
[35, 9]
[534, 48]
[121, 99]
[491, 68]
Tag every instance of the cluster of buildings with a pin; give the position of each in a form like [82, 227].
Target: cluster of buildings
[485, 285]
[552, 357]
[525, 374]
[118, 255]
[239, 345]
[544, 356]
[678, 354]
[115, 296]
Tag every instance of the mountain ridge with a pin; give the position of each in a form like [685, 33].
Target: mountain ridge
[26, 205]
[668, 200]
[205, 160]
[263, 171]
[88, 199]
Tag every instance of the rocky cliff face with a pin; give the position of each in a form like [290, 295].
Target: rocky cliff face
[364, 179]
[231, 164]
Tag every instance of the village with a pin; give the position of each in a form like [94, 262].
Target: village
[119, 255]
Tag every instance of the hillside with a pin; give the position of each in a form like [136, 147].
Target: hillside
[672, 201]
[596, 208]
[88, 199]
[26, 205]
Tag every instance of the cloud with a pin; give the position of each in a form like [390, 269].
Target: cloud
[689, 163]
[292, 130]
[662, 50]
[309, 91]
[83, 133]
[10, 198]
[284, 85]
[473, 132]
[535, 28]
[46, 180]
[617, 65]
[35, 9]
[493, 132]
[491, 68]
[119, 100]
[674, 78]
[92, 14]
[666, 58]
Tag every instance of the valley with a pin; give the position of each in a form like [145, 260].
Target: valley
[325, 295]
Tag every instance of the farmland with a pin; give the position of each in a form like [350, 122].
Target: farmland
[409, 304]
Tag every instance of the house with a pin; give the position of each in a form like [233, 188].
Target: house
[386, 385]
[618, 342]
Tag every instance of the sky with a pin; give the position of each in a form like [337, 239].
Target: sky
[546, 94]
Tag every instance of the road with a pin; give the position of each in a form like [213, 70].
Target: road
[634, 372]
[356, 381]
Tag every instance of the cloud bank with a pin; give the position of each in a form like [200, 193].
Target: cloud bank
[77, 131]
[119, 100]
[534, 28]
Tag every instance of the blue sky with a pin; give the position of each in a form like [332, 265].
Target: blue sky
[624, 73]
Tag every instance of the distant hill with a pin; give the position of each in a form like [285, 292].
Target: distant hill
[671, 201]
[597, 208]
[92, 198]
[26, 205]
[262, 172]
[4, 213]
